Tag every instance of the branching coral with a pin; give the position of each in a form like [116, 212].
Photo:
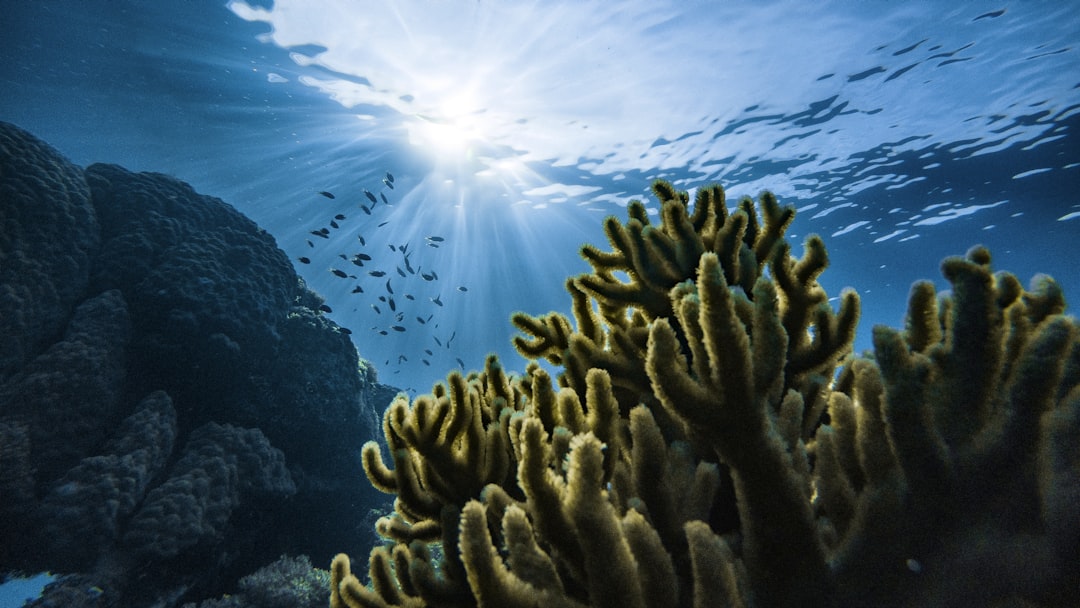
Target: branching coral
[711, 441]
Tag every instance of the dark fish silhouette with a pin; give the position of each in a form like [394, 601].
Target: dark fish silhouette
[427, 277]
[358, 289]
[339, 216]
[435, 239]
[318, 233]
[342, 256]
[383, 224]
[421, 320]
[362, 256]
[437, 341]
[362, 241]
[390, 177]
[309, 243]
[462, 289]
[383, 332]
[388, 286]
[433, 245]
[304, 260]
[435, 276]
[382, 299]
[371, 197]
[409, 296]
[397, 328]
[334, 225]
[390, 301]
[388, 183]
[425, 362]
[383, 197]
[399, 317]
[377, 273]
[339, 273]
[327, 194]
[345, 330]
[366, 210]
[376, 309]
[325, 308]
[400, 271]
[460, 362]
[357, 262]
[428, 351]
[392, 247]
[401, 358]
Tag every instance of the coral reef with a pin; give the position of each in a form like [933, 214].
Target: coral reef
[158, 346]
[711, 440]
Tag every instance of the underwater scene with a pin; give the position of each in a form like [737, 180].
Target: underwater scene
[543, 303]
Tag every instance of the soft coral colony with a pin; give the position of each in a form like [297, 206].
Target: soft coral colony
[712, 441]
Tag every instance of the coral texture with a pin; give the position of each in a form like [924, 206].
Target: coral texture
[138, 316]
[710, 439]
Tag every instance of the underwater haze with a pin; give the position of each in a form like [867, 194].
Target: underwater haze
[450, 157]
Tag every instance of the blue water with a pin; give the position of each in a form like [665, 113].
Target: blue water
[903, 133]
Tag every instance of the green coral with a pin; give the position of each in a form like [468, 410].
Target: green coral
[711, 441]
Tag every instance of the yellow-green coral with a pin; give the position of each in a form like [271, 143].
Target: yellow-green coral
[710, 441]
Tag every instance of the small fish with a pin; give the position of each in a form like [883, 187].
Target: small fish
[397, 328]
[325, 308]
[363, 243]
[334, 225]
[428, 351]
[400, 271]
[452, 334]
[377, 273]
[390, 301]
[421, 320]
[383, 224]
[357, 262]
[382, 299]
[327, 194]
[383, 197]
[317, 233]
[366, 210]
[429, 319]
[342, 256]
[437, 341]
[433, 245]
[460, 362]
[363, 256]
[462, 289]
[390, 177]
[401, 358]
[383, 332]
[435, 276]
[425, 362]
[435, 239]
[339, 273]
[388, 184]
[309, 243]
[304, 260]
[371, 197]
[345, 330]
[388, 286]
[410, 297]
[339, 216]
[392, 247]
[408, 266]
[427, 277]
[399, 317]
[376, 309]
[358, 289]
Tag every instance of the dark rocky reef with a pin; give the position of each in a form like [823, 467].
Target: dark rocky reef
[173, 404]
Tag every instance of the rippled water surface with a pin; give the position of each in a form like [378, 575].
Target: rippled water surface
[903, 133]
